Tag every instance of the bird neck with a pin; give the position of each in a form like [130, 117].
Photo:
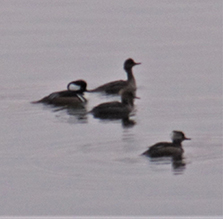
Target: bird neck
[130, 75]
[128, 102]
[177, 143]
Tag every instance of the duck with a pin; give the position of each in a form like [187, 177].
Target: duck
[116, 109]
[74, 95]
[115, 87]
[168, 149]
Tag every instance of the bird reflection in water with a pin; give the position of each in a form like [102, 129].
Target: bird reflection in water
[178, 165]
[77, 114]
[128, 123]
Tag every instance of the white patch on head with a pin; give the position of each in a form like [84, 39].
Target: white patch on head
[176, 135]
[74, 87]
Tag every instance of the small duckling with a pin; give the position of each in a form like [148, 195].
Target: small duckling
[72, 96]
[116, 86]
[172, 149]
[116, 109]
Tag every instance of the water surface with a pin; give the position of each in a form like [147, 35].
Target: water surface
[58, 162]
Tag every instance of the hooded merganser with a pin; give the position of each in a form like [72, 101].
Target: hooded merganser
[72, 96]
[116, 109]
[172, 149]
[116, 86]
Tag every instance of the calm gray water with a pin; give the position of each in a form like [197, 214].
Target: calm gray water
[58, 162]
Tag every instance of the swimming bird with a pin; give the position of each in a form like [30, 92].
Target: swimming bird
[116, 109]
[116, 86]
[74, 95]
[172, 149]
